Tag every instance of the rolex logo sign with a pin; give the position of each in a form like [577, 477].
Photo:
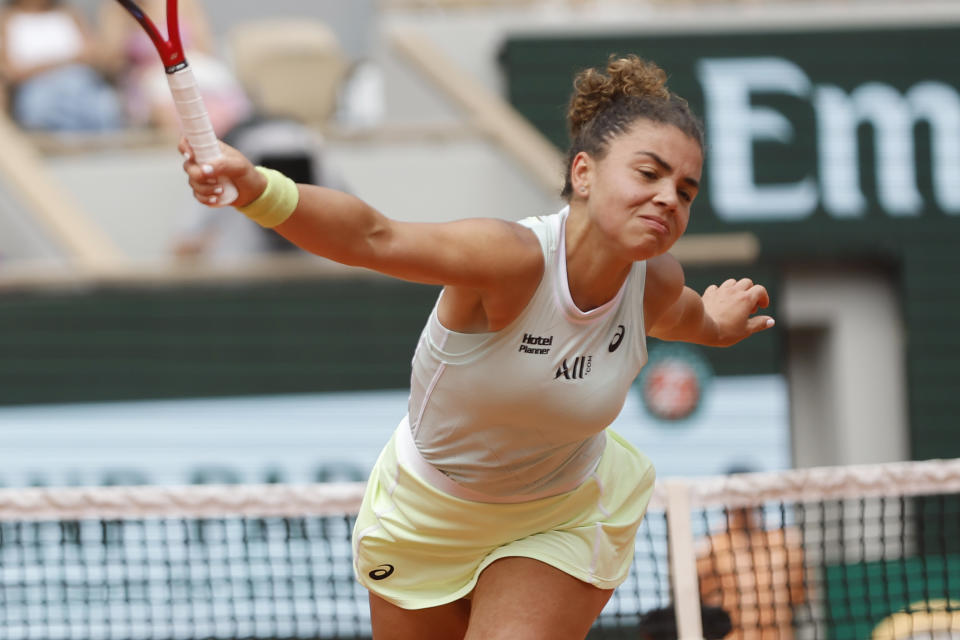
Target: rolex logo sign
[673, 383]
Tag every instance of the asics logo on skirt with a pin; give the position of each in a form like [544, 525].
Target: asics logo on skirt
[382, 572]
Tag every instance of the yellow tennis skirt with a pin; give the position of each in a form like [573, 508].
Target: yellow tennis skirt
[417, 546]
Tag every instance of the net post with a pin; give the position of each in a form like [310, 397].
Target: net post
[683, 570]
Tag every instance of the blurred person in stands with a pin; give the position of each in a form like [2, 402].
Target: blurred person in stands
[661, 624]
[143, 84]
[502, 506]
[53, 69]
[755, 573]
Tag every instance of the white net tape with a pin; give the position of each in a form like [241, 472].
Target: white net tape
[830, 483]
[207, 501]
[743, 490]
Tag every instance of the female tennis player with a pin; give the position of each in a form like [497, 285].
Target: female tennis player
[502, 507]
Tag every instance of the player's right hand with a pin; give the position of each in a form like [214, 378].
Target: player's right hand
[232, 165]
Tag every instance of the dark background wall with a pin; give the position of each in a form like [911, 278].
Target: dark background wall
[135, 343]
[150, 342]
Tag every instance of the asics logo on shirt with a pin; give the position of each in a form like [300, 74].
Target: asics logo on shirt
[577, 369]
[617, 338]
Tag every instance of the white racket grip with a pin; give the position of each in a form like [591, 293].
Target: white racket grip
[197, 126]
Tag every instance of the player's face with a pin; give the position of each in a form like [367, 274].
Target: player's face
[640, 192]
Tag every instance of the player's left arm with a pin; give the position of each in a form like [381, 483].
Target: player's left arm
[722, 316]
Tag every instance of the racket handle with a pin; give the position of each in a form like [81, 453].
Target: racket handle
[197, 126]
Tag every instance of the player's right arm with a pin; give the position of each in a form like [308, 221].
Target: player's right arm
[475, 253]
[493, 265]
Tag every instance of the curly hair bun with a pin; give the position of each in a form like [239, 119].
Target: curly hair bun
[628, 76]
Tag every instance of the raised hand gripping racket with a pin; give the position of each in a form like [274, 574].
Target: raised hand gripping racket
[186, 94]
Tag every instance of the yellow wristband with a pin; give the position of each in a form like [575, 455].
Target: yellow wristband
[276, 203]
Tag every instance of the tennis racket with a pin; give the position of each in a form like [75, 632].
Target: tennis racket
[186, 94]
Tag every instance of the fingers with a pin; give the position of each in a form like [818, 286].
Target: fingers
[203, 181]
[760, 323]
[761, 299]
[208, 191]
[733, 305]
[742, 284]
[220, 165]
[231, 175]
[756, 293]
[184, 148]
[199, 174]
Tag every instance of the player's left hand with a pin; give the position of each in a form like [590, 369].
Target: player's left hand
[732, 306]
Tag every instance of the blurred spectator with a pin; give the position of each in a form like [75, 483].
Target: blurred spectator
[755, 574]
[661, 624]
[279, 143]
[140, 74]
[50, 64]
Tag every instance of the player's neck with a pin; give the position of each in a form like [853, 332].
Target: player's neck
[594, 276]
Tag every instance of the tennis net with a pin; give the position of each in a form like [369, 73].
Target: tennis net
[844, 553]
[853, 553]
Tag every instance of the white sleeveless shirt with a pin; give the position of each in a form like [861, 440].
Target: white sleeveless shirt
[519, 414]
[47, 37]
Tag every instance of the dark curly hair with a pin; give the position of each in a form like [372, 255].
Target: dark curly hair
[605, 105]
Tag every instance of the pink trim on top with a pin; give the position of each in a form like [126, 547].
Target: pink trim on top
[429, 391]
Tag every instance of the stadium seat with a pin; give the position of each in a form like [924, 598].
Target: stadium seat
[289, 67]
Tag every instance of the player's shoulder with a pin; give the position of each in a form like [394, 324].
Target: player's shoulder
[665, 276]
[529, 244]
[500, 229]
[512, 245]
[554, 220]
[547, 228]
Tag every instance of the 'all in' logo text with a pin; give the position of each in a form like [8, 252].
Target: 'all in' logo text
[575, 370]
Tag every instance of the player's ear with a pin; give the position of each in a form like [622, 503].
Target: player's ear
[581, 171]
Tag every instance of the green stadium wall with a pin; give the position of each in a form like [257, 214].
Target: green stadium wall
[134, 343]
[114, 343]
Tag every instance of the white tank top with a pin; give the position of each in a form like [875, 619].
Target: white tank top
[519, 414]
[47, 37]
